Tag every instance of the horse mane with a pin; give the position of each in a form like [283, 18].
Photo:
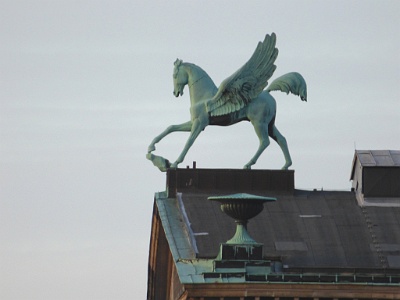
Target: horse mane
[179, 62]
[200, 73]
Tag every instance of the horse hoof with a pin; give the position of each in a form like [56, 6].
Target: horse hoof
[286, 166]
[151, 148]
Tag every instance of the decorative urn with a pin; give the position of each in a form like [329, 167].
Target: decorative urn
[241, 207]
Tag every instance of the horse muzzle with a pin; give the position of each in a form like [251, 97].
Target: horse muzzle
[177, 93]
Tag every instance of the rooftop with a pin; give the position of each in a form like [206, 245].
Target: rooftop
[303, 232]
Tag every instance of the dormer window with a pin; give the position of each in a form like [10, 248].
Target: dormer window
[376, 177]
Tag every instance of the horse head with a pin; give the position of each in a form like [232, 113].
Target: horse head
[180, 78]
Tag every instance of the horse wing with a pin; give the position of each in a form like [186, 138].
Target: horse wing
[236, 91]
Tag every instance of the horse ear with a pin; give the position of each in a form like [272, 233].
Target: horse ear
[178, 62]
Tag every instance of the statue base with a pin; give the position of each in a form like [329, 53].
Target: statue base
[160, 162]
[232, 180]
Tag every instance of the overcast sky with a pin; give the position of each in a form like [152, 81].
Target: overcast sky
[86, 85]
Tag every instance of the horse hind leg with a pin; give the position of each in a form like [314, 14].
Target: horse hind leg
[261, 129]
[280, 139]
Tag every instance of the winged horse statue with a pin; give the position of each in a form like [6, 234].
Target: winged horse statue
[240, 97]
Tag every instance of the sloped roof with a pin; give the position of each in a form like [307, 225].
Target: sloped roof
[376, 158]
[379, 158]
[306, 230]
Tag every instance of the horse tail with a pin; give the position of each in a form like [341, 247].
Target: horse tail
[291, 82]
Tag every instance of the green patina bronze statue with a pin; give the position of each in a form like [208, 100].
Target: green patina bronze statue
[240, 97]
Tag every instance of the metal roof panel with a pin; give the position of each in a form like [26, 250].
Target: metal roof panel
[379, 158]
[333, 229]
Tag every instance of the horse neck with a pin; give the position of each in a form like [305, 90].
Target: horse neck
[201, 86]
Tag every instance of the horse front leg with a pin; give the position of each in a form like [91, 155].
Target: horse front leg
[180, 127]
[197, 127]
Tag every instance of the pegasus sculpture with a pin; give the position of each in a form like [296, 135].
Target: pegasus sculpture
[240, 97]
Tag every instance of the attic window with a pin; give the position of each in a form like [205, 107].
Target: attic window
[376, 176]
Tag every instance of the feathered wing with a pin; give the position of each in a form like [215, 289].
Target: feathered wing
[248, 82]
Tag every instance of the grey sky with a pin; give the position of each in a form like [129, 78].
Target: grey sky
[86, 85]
